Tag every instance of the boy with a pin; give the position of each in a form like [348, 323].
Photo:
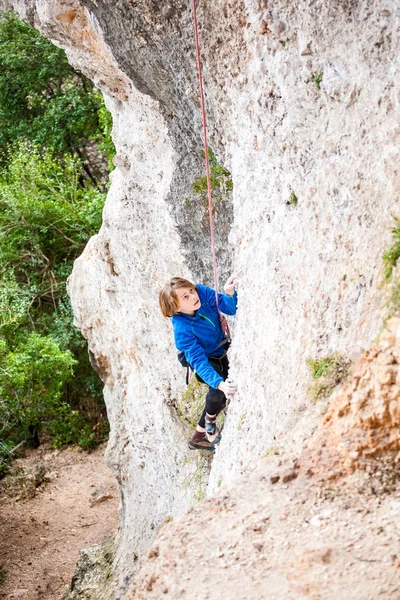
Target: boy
[198, 333]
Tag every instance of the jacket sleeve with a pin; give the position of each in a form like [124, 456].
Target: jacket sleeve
[226, 304]
[197, 358]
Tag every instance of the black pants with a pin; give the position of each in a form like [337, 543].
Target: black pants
[215, 399]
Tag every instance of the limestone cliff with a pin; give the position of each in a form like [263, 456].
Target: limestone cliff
[303, 105]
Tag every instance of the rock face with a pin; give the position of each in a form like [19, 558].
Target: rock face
[92, 576]
[287, 541]
[363, 421]
[303, 109]
[315, 524]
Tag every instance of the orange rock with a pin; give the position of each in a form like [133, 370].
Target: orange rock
[363, 421]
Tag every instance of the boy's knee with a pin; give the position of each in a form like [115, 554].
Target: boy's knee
[216, 395]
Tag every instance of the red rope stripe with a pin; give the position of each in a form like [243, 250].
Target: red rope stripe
[203, 112]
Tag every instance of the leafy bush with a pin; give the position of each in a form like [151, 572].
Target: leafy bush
[103, 136]
[54, 141]
[46, 216]
[31, 380]
[44, 100]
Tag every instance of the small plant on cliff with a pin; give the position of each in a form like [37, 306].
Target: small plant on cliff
[191, 403]
[317, 79]
[327, 372]
[293, 199]
[221, 182]
[199, 466]
[392, 255]
[393, 303]
[271, 451]
[3, 575]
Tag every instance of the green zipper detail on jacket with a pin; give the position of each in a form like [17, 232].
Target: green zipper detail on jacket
[207, 319]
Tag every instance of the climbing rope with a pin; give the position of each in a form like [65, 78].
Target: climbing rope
[204, 119]
[224, 322]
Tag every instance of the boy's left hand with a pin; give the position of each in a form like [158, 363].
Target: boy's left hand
[229, 287]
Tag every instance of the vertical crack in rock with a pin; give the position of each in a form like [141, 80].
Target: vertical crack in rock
[154, 45]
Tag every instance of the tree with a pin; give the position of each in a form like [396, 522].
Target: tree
[44, 100]
[46, 216]
[54, 128]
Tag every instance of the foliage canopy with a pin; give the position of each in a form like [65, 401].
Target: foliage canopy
[44, 100]
[55, 151]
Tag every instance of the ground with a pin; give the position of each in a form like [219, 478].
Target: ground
[43, 528]
[276, 534]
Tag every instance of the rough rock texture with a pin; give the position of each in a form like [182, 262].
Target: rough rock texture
[363, 421]
[303, 104]
[92, 579]
[276, 536]
[291, 530]
[309, 285]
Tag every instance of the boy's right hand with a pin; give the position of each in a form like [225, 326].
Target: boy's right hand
[232, 282]
[229, 388]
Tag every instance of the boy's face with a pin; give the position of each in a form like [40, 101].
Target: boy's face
[189, 300]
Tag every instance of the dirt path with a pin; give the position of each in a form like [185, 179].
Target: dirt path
[42, 529]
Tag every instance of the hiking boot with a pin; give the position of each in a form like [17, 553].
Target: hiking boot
[211, 425]
[199, 441]
[214, 439]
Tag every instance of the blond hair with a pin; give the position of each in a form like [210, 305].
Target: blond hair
[168, 298]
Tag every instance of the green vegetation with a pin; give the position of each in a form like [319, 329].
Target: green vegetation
[317, 79]
[191, 403]
[393, 304]
[392, 255]
[55, 145]
[327, 372]
[46, 216]
[293, 200]
[271, 451]
[44, 100]
[200, 466]
[221, 182]
[241, 421]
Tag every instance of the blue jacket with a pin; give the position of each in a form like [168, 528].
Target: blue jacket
[199, 336]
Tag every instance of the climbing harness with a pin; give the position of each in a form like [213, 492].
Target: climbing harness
[224, 322]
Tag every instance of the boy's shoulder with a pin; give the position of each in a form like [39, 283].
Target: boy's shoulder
[205, 293]
[201, 289]
[175, 320]
[179, 321]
